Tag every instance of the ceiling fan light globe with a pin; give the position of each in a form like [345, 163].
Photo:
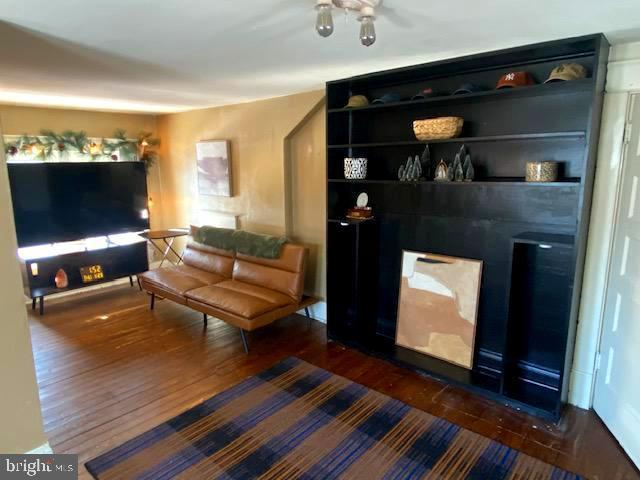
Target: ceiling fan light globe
[324, 22]
[367, 31]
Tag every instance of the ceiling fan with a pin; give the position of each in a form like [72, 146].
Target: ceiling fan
[366, 10]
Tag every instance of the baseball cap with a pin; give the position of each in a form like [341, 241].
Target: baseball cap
[357, 101]
[387, 98]
[515, 79]
[468, 88]
[567, 72]
[424, 93]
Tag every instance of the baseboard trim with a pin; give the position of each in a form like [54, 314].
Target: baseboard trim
[491, 362]
[580, 382]
[318, 312]
[44, 449]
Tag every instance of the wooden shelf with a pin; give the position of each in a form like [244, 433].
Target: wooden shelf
[350, 221]
[549, 238]
[564, 88]
[496, 182]
[490, 138]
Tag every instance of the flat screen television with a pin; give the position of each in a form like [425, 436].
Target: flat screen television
[58, 202]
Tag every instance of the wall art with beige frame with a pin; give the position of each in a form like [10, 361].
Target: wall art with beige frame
[214, 168]
[438, 306]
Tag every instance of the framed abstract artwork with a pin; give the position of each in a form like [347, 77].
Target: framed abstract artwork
[214, 168]
[438, 306]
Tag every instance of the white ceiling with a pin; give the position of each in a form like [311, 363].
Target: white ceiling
[172, 55]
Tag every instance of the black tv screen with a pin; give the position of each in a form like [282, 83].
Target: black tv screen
[58, 202]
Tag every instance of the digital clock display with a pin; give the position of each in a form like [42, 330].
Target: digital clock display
[92, 273]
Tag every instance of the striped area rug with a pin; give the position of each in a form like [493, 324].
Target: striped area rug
[295, 420]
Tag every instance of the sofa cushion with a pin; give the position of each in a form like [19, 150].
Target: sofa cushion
[292, 258]
[180, 279]
[208, 278]
[285, 274]
[239, 298]
[262, 293]
[209, 259]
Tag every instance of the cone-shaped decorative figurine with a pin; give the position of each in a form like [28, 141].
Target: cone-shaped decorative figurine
[469, 171]
[442, 172]
[411, 173]
[455, 166]
[463, 151]
[426, 162]
[451, 171]
[458, 174]
[61, 279]
[456, 161]
[418, 167]
[409, 169]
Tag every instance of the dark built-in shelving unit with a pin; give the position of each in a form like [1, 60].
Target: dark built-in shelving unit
[530, 236]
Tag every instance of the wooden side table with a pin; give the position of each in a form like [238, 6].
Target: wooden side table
[163, 240]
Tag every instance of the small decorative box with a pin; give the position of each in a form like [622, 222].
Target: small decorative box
[355, 168]
[542, 171]
[360, 212]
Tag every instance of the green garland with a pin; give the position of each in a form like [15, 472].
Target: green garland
[48, 143]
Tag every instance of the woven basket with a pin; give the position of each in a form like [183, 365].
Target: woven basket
[438, 128]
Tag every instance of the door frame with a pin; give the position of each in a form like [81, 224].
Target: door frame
[632, 97]
[623, 81]
[606, 197]
[616, 427]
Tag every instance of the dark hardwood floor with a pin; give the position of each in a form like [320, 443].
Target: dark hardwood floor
[110, 369]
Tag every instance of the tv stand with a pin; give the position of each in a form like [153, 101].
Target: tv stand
[113, 257]
[39, 300]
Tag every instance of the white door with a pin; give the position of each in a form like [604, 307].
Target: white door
[617, 389]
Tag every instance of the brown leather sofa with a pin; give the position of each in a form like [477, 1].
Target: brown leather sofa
[244, 291]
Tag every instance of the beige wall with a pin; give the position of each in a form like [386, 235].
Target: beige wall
[18, 120]
[306, 173]
[20, 415]
[263, 135]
